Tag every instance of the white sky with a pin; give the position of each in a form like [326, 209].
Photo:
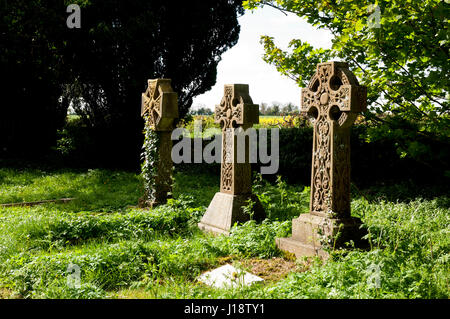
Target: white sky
[243, 63]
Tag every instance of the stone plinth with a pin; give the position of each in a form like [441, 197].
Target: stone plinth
[227, 209]
[310, 232]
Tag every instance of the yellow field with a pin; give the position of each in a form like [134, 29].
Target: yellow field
[264, 121]
[271, 120]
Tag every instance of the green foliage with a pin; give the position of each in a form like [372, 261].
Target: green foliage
[201, 126]
[101, 68]
[115, 53]
[106, 266]
[409, 257]
[150, 158]
[202, 111]
[60, 290]
[93, 189]
[288, 64]
[253, 240]
[200, 195]
[159, 253]
[403, 60]
[31, 59]
[281, 201]
[44, 229]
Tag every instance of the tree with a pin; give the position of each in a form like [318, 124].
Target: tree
[203, 110]
[398, 49]
[274, 109]
[123, 43]
[263, 108]
[102, 68]
[32, 68]
[288, 108]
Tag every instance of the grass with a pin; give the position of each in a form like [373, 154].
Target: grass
[125, 252]
[95, 190]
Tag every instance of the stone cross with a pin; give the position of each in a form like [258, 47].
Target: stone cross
[235, 113]
[333, 99]
[160, 109]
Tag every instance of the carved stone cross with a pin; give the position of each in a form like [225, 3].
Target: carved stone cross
[333, 98]
[235, 113]
[160, 109]
[160, 104]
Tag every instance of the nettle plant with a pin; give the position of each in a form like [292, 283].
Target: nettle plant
[150, 159]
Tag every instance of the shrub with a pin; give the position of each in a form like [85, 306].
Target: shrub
[40, 229]
[252, 240]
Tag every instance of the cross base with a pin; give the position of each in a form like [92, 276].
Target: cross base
[311, 232]
[227, 209]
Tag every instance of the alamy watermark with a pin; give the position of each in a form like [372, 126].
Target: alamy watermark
[250, 144]
[74, 19]
[73, 276]
[374, 276]
[373, 22]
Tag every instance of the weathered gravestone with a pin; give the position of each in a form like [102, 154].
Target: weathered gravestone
[159, 109]
[236, 113]
[333, 98]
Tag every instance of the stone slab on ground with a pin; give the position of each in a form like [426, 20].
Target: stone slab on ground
[228, 276]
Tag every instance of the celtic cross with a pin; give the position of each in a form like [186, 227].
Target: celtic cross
[236, 110]
[333, 98]
[160, 109]
[160, 105]
[236, 113]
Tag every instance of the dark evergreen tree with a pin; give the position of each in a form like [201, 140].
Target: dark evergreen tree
[102, 68]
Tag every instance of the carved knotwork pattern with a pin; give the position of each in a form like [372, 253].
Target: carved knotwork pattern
[322, 153]
[228, 113]
[341, 98]
[152, 104]
[321, 166]
[227, 160]
[329, 99]
[235, 111]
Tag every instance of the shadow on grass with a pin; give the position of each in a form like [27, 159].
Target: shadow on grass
[97, 189]
[93, 189]
[201, 185]
[404, 192]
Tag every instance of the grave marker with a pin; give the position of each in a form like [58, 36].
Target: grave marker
[333, 98]
[236, 113]
[160, 109]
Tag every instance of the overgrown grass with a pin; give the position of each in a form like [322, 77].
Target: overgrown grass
[46, 228]
[125, 252]
[409, 257]
[94, 190]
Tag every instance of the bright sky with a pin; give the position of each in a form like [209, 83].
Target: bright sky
[244, 64]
